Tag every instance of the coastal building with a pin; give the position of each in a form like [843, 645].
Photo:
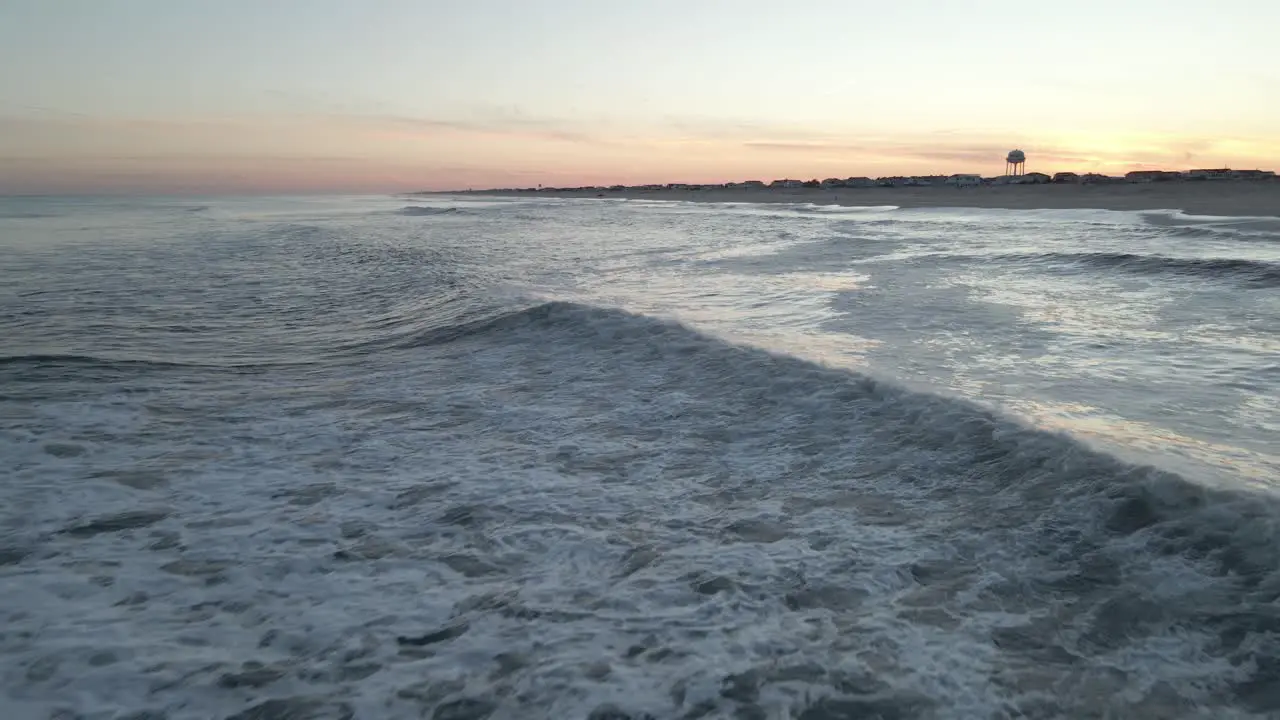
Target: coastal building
[1252, 174]
[1145, 176]
[786, 184]
[1209, 174]
[1036, 178]
[1097, 179]
[964, 180]
[833, 183]
[1066, 177]
[859, 182]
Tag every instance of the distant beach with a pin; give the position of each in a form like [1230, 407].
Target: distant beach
[1257, 198]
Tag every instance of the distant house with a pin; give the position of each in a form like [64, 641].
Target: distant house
[964, 180]
[753, 184]
[833, 183]
[1097, 179]
[811, 183]
[1036, 178]
[786, 184]
[1145, 176]
[1209, 174]
[1065, 177]
[859, 182]
[1252, 174]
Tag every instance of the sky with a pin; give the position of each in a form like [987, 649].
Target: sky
[237, 96]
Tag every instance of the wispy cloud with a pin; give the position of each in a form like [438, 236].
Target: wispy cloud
[947, 148]
[509, 127]
[803, 146]
[492, 121]
[38, 110]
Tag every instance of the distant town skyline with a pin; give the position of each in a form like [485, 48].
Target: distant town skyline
[337, 95]
[956, 179]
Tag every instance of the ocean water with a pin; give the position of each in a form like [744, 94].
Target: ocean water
[458, 459]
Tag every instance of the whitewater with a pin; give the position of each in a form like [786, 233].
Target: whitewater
[453, 458]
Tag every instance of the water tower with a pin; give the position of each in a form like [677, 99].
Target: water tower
[1015, 163]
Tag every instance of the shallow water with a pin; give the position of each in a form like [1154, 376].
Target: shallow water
[449, 458]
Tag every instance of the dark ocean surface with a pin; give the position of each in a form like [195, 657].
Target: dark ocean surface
[461, 459]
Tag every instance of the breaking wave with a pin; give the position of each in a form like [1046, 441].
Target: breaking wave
[1076, 538]
[1048, 470]
[418, 210]
[1250, 272]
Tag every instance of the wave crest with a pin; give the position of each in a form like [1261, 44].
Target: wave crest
[419, 210]
[1251, 272]
[996, 475]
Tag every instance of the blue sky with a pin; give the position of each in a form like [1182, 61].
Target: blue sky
[329, 94]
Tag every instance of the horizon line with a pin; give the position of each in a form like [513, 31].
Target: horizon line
[1266, 174]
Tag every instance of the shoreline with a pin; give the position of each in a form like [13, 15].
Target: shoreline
[1226, 198]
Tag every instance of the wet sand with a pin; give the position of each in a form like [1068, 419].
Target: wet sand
[1259, 198]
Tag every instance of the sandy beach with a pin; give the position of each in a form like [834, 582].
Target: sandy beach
[1196, 198]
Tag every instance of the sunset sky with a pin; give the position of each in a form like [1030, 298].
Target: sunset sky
[389, 95]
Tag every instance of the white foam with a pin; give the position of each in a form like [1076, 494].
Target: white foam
[1188, 217]
[609, 467]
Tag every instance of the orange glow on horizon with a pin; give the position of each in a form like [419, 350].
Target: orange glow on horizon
[392, 154]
